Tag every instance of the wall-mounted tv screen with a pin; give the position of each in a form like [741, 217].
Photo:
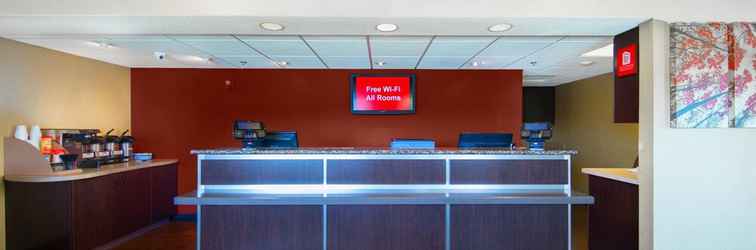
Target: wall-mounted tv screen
[383, 94]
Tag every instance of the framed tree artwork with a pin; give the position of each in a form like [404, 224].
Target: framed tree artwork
[743, 57]
[713, 75]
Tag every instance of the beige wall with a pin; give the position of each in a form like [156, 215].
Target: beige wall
[585, 122]
[54, 89]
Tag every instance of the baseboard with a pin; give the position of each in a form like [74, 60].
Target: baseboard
[185, 217]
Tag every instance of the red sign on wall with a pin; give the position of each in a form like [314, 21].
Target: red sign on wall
[383, 94]
[627, 60]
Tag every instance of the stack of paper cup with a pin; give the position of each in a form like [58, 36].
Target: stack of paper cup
[35, 136]
[21, 133]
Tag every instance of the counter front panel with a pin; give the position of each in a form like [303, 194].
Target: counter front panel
[386, 172]
[383, 199]
[261, 227]
[259, 172]
[509, 172]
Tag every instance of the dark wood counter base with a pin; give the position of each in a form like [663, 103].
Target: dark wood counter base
[511, 227]
[87, 213]
[261, 227]
[613, 219]
[379, 227]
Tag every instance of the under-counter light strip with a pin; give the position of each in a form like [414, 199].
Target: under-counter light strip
[407, 188]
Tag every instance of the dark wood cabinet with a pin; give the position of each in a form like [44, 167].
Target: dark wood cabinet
[163, 183]
[93, 207]
[50, 217]
[85, 214]
[613, 219]
[132, 202]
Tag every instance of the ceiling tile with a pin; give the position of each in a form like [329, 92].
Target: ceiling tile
[395, 62]
[517, 46]
[491, 62]
[150, 44]
[568, 48]
[218, 46]
[382, 46]
[458, 46]
[560, 60]
[587, 39]
[345, 62]
[249, 62]
[301, 62]
[442, 62]
[274, 46]
[338, 46]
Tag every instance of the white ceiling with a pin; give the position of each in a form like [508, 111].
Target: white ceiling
[546, 41]
[672, 11]
[546, 60]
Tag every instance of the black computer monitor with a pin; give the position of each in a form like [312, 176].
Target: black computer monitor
[281, 139]
[485, 140]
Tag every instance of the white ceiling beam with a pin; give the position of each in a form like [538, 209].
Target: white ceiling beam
[690, 10]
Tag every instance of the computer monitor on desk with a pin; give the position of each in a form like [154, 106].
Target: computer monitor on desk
[280, 139]
[485, 140]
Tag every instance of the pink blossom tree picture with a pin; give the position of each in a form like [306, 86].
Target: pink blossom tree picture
[743, 66]
[713, 71]
[700, 87]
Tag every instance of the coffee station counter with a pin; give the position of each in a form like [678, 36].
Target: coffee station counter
[88, 173]
[379, 198]
[91, 209]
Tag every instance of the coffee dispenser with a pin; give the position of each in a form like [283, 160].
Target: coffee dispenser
[127, 146]
[113, 147]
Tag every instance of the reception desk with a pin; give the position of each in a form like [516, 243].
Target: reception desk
[377, 199]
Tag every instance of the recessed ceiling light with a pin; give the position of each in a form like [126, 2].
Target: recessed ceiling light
[606, 51]
[380, 63]
[386, 27]
[272, 26]
[196, 58]
[283, 63]
[101, 44]
[535, 80]
[476, 64]
[586, 63]
[500, 27]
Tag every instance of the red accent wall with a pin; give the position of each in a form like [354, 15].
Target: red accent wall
[176, 110]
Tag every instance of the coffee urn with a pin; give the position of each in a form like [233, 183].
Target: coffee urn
[127, 146]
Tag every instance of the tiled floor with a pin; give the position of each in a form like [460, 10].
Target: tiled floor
[174, 235]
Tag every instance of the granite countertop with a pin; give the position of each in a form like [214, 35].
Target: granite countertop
[377, 151]
[92, 172]
[626, 175]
